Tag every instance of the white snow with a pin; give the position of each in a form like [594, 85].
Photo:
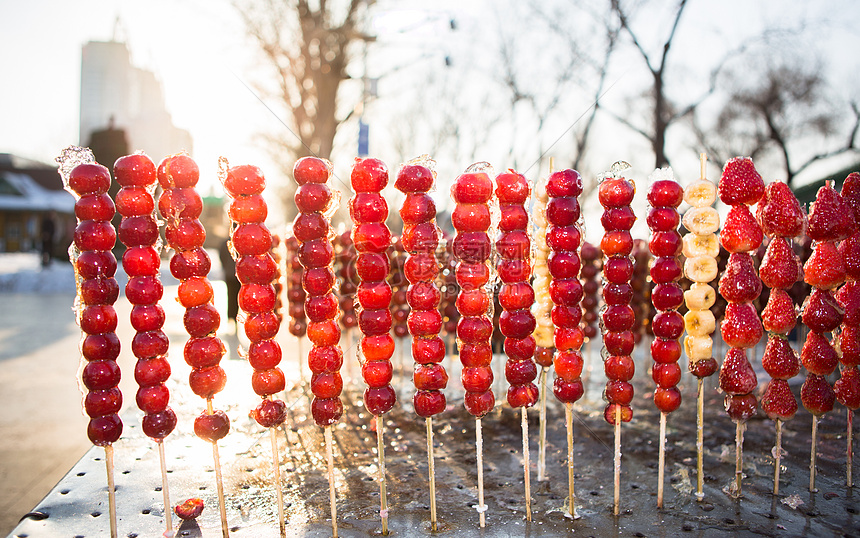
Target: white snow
[21, 272]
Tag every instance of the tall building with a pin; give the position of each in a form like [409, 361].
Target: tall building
[115, 93]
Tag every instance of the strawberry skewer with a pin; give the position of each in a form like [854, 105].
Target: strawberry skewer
[616, 194]
[740, 186]
[664, 196]
[781, 218]
[847, 387]
[830, 220]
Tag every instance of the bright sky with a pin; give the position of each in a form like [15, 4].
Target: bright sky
[195, 46]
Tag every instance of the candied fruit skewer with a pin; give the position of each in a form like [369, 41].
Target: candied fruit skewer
[138, 231]
[420, 239]
[542, 311]
[740, 186]
[664, 197]
[97, 291]
[847, 387]
[256, 269]
[316, 199]
[781, 218]
[472, 192]
[615, 194]
[516, 296]
[700, 246]
[371, 239]
[178, 176]
[564, 237]
[830, 220]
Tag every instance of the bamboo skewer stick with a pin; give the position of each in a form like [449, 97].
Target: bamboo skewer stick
[111, 489]
[849, 459]
[331, 494]
[568, 419]
[168, 512]
[542, 435]
[812, 454]
[739, 457]
[700, 442]
[277, 465]
[617, 465]
[526, 465]
[479, 446]
[219, 483]
[432, 470]
[661, 468]
[777, 457]
[383, 496]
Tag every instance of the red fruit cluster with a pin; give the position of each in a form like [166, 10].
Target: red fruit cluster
[847, 387]
[312, 227]
[664, 196]
[781, 218]
[178, 205]
[295, 292]
[95, 267]
[617, 318]
[516, 296]
[420, 239]
[592, 262]
[138, 231]
[344, 265]
[740, 186]
[399, 285]
[471, 193]
[371, 239]
[256, 270]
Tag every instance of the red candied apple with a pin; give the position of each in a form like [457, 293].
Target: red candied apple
[159, 425]
[619, 270]
[667, 399]
[741, 326]
[779, 213]
[372, 207]
[471, 217]
[817, 395]
[479, 404]
[737, 375]
[665, 243]
[668, 324]
[95, 207]
[522, 395]
[618, 367]
[616, 192]
[326, 411]
[89, 178]
[212, 427]
[666, 374]
[616, 243]
[740, 182]
[740, 232]
[177, 171]
[563, 211]
[780, 267]
[621, 343]
[414, 178]
[740, 282]
[567, 391]
[379, 400]
[824, 269]
[821, 313]
[778, 401]
[566, 182]
[667, 296]
[703, 368]
[663, 219]
[428, 404]
[472, 188]
[665, 351]
[617, 318]
[520, 372]
[136, 170]
[830, 219]
[543, 356]
[311, 170]
[817, 355]
[618, 218]
[189, 509]
[568, 364]
[513, 188]
[663, 270]
[618, 392]
[618, 294]
[244, 180]
[270, 413]
[665, 193]
[611, 411]
[368, 175]
[847, 388]
[741, 407]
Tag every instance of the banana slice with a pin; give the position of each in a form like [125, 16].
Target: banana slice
[700, 296]
[702, 220]
[701, 268]
[700, 193]
[539, 218]
[701, 245]
[698, 347]
[699, 322]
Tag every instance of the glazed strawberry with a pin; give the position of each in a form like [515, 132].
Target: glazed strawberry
[779, 213]
[847, 388]
[851, 193]
[739, 282]
[848, 298]
[817, 395]
[849, 345]
[779, 360]
[741, 232]
[780, 267]
[849, 249]
[821, 313]
[740, 182]
[817, 355]
[778, 401]
[824, 269]
[741, 327]
[780, 314]
[830, 219]
[737, 375]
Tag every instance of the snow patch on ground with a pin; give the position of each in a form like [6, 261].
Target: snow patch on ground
[21, 272]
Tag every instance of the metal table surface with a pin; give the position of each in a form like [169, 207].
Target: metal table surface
[78, 505]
